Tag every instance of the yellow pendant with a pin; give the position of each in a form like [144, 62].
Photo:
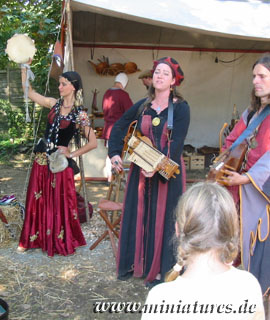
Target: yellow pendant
[156, 121]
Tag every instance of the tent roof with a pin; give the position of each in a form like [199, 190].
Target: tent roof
[209, 24]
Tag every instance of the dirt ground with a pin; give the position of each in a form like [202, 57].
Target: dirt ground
[38, 287]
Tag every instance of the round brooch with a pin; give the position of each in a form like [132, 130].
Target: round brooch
[156, 121]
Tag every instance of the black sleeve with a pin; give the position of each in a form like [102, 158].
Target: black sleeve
[120, 129]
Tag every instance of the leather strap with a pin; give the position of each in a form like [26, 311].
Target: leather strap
[251, 127]
[170, 115]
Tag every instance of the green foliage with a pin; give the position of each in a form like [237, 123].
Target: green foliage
[41, 21]
[9, 148]
[15, 133]
[14, 118]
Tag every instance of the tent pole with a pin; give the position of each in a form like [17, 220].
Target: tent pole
[69, 29]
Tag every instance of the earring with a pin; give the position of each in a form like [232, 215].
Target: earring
[79, 98]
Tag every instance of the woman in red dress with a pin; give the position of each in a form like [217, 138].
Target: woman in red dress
[51, 218]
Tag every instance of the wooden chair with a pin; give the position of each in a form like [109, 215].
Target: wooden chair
[105, 206]
[111, 205]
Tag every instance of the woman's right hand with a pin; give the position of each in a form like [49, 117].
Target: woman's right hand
[24, 65]
[31, 93]
[117, 164]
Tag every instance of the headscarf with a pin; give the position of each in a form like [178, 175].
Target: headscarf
[76, 81]
[74, 78]
[177, 72]
[122, 78]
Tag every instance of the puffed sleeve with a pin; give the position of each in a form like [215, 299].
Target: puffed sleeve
[82, 119]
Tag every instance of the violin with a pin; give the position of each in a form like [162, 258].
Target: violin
[227, 160]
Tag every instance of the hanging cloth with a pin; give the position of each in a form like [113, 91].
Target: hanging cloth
[29, 76]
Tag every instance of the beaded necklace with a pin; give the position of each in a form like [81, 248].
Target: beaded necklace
[56, 124]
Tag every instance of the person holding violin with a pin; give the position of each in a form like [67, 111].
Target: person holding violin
[145, 247]
[251, 187]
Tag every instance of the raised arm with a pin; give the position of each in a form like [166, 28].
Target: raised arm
[33, 95]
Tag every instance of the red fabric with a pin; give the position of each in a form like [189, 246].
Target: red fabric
[178, 73]
[2, 217]
[160, 216]
[159, 229]
[51, 218]
[184, 174]
[109, 205]
[262, 138]
[139, 251]
[147, 128]
[164, 138]
[82, 209]
[115, 103]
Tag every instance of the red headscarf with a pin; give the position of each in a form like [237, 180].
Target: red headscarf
[178, 74]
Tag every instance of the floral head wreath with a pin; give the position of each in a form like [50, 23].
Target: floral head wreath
[178, 74]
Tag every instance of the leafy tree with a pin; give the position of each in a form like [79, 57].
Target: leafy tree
[41, 21]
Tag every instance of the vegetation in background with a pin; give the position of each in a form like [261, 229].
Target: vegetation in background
[17, 127]
[17, 137]
[40, 20]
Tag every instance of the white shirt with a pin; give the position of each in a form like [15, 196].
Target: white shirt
[231, 295]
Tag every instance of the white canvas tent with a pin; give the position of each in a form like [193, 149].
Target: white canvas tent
[215, 51]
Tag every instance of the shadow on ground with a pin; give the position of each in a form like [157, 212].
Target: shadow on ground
[38, 287]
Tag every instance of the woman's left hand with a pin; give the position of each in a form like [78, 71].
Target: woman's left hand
[64, 150]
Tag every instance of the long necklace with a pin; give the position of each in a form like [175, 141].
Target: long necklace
[54, 129]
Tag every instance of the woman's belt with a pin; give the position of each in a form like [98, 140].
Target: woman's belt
[41, 158]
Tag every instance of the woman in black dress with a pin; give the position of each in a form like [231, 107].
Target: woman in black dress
[145, 246]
